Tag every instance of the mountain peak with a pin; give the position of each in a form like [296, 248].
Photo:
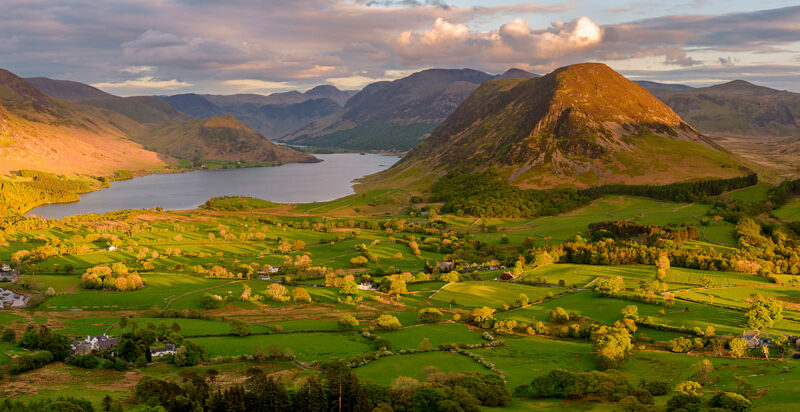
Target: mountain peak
[580, 125]
[515, 73]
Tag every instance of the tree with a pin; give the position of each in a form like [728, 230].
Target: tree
[209, 301]
[483, 317]
[763, 312]
[684, 402]
[689, 388]
[301, 295]
[123, 323]
[450, 277]
[349, 287]
[662, 266]
[277, 292]
[608, 287]
[240, 328]
[730, 401]
[630, 312]
[704, 372]
[559, 315]
[348, 321]
[396, 288]
[8, 335]
[424, 345]
[738, 347]
[429, 315]
[359, 261]
[388, 322]
[107, 403]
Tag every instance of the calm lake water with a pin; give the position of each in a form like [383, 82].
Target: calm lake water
[291, 183]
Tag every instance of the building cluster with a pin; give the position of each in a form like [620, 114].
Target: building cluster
[104, 342]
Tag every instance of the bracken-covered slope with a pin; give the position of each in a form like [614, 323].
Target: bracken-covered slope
[43, 133]
[581, 125]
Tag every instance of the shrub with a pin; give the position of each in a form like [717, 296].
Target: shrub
[559, 315]
[209, 301]
[684, 402]
[29, 362]
[730, 401]
[655, 387]
[680, 345]
[429, 315]
[388, 322]
[348, 322]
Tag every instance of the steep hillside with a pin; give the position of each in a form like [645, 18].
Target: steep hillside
[103, 133]
[39, 132]
[218, 138]
[142, 109]
[581, 125]
[67, 90]
[394, 115]
[737, 108]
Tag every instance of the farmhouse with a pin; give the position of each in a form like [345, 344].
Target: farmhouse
[446, 266]
[94, 343]
[753, 339]
[506, 276]
[365, 286]
[264, 277]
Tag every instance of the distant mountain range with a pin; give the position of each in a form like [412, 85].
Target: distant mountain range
[384, 116]
[274, 115]
[736, 107]
[581, 125]
[69, 127]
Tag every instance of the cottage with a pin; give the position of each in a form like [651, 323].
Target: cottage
[365, 286]
[273, 269]
[446, 266]
[169, 349]
[264, 277]
[753, 339]
[80, 348]
[112, 248]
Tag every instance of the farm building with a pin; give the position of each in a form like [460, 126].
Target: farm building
[169, 349]
[94, 343]
[753, 339]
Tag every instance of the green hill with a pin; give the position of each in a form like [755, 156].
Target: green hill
[582, 125]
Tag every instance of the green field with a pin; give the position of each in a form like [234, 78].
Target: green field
[789, 212]
[493, 294]
[437, 334]
[384, 370]
[307, 347]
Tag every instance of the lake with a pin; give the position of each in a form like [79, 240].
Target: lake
[291, 183]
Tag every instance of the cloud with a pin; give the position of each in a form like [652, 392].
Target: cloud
[146, 82]
[254, 85]
[304, 42]
[514, 41]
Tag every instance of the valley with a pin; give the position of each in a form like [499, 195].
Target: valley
[566, 241]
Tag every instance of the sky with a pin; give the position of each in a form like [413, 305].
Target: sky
[161, 47]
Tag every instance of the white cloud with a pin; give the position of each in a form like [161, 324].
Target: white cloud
[254, 85]
[513, 42]
[146, 82]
